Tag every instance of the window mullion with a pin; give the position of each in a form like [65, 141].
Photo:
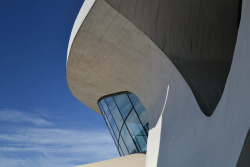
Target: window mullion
[117, 145]
[138, 115]
[111, 114]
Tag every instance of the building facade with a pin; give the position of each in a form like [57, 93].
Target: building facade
[171, 78]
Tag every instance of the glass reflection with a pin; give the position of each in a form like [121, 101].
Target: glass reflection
[114, 110]
[123, 104]
[137, 131]
[127, 121]
[140, 110]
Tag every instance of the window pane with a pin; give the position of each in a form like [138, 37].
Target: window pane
[138, 133]
[105, 107]
[141, 142]
[115, 112]
[123, 147]
[128, 140]
[107, 122]
[124, 104]
[103, 112]
[109, 117]
[114, 137]
[120, 151]
[112, 124]
[141, 111]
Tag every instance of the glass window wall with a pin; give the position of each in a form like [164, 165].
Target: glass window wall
[127, 121]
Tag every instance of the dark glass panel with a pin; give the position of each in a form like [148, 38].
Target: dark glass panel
[115, 112]
[124, 104]
[141, 143]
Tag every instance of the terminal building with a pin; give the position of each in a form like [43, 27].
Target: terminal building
[170, 78]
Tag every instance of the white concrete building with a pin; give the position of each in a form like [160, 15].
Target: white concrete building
[171, 78]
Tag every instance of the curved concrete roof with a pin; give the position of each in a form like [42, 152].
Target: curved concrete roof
[198, 37]
[109, 55]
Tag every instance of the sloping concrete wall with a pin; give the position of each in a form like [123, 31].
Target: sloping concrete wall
[109, 54]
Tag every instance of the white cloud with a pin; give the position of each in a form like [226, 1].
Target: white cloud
[15, 116]
[51, 147]
[56, 147]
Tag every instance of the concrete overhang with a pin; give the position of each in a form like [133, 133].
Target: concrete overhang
[198, 37]
[109, 54]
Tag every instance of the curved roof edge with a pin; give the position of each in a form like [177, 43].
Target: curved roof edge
[87, 5]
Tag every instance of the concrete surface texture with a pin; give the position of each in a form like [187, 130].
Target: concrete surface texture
[198, 36]
[134, 160]
[109, 54]
[87, 5]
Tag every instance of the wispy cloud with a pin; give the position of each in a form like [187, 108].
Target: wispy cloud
[16, 116]
[52, 147]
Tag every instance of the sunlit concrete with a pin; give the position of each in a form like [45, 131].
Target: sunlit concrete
[134, 160]
[87, 5]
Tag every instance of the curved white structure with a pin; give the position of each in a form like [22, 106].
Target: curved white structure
[109, 54]
[87, 5]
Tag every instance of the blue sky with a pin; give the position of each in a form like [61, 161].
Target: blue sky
[41, 123]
